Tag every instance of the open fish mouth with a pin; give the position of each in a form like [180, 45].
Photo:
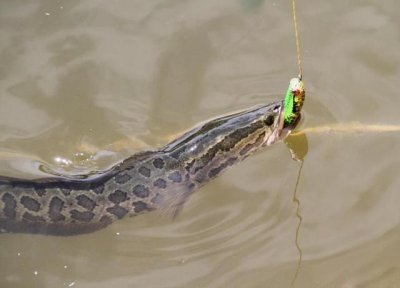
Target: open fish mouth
[285, 130]
[281, 130]
[289, 111]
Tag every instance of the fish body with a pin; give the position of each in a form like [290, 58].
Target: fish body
[161, 179]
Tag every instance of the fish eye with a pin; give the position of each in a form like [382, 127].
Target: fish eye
[269, 120]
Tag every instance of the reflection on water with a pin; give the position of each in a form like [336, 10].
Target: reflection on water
[89, 83]
[296, 241]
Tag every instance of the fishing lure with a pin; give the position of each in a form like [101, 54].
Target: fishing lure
[294, 100]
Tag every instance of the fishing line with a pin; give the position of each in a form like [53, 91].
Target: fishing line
[296, 33]
[298, 215]
[348, 128]
[295, 199]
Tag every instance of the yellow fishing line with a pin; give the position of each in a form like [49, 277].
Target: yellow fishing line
[349, 128]
[296, 32]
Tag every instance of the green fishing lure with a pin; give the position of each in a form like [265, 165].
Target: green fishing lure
[294, 100]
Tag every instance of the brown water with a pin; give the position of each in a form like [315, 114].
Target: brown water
[78, 76]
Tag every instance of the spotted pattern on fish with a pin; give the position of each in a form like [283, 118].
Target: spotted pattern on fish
[161, 179]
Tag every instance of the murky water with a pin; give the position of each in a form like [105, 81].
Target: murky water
[83, 84]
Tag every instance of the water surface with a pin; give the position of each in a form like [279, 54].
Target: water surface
[84, 84]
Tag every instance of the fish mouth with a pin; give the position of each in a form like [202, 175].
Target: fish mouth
[281, 130]
[287, 129]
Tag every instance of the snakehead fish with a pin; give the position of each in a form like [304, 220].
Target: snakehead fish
[161, 179]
